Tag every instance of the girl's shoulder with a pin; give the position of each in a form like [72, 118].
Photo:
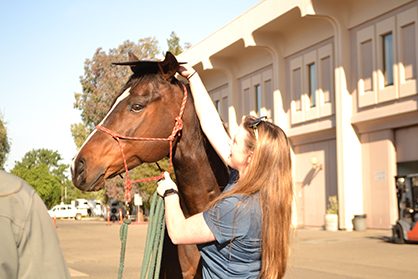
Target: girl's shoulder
[241, 202]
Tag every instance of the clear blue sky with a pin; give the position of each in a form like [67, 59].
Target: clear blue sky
[43, 46]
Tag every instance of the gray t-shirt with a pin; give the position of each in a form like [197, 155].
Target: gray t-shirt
[241, 223]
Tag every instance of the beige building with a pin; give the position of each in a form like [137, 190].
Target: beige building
[340, 78]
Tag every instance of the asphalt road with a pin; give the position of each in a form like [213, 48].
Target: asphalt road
[351, 254]
[92, 250]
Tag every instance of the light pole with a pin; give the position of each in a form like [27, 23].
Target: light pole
[62, 196]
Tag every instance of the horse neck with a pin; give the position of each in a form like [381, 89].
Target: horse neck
[199, 171]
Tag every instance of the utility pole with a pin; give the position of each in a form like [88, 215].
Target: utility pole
[62, 194]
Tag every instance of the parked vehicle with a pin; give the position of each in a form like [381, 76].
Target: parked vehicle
[406, 228]
[93, 207]
[67, 211]
[114, 208]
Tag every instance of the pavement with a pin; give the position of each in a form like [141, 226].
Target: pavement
[351, 254]
[92, 250]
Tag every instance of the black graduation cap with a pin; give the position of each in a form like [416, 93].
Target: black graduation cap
[147, 66]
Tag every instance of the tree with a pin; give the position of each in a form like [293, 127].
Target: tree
[4, 142]
[174, 44]
[41, 169]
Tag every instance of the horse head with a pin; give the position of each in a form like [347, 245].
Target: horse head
[146, 107]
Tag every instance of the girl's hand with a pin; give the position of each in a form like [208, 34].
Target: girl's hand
[185, 70]
[166, 184]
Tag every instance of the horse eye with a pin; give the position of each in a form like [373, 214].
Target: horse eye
[136, 108]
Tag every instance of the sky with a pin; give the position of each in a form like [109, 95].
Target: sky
[44, 44]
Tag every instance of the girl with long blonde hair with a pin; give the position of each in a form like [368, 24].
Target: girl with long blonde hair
[245, 231]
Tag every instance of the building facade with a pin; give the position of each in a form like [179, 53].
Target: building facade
[340, 78]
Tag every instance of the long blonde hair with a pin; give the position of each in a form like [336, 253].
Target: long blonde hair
[269, 174]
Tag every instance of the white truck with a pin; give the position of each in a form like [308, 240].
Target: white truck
[93, 207]
[67, 211]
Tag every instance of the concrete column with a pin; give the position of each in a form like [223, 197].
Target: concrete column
[349, 171]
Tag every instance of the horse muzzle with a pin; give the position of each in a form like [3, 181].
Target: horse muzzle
[86, 181]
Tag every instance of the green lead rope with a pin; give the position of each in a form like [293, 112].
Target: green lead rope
[123, 235]
[155, 238]
[154, 244]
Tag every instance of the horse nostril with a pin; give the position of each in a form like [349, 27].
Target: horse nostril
[79, 172]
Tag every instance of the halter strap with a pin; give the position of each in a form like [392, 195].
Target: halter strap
[178, 126]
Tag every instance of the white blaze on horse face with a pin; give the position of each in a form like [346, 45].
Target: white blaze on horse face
[120, 99]
[124, 95]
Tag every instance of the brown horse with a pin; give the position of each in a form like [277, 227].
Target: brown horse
[147, 107]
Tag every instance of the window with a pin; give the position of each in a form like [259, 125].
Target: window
[220, 101]
[325, 81]
[366, 73]
[407, 40]
[258, 100]
[217, 106]
[386, 71]
[408, 52]
[268, 96]
[297, 88]
[312, 85]
[247, 105]
[388, 58]
[366, 68]
[257, 94]
[224, 107]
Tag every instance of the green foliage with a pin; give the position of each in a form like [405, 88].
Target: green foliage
[41, 169]
[174, 44]
[332, 207]
[80, 133]
[4, 142]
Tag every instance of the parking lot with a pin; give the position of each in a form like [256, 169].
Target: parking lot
[92, 250]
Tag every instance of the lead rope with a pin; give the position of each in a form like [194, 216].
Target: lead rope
[123, 235]
[151, 262]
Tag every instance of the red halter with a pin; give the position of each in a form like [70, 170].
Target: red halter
[176, 130]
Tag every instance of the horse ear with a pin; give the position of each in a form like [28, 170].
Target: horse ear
[132, 57]
[169, 66]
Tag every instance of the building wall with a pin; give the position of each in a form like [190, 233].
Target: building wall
[314, 185]
[406, 139]
[379, 170]
[319, 68]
